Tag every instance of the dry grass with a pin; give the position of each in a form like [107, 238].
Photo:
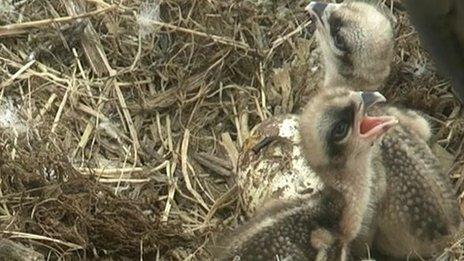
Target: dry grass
[121, 121]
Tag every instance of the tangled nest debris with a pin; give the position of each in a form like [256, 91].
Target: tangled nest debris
[121, 121]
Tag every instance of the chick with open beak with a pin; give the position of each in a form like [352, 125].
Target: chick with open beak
[347, 130]
[337, 138]
[357, 42]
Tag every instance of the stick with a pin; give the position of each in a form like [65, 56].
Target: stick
[20, 28]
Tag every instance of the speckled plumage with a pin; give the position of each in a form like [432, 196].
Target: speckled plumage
[285, 230]
[322, 226]
[412, 205]
[419, 212]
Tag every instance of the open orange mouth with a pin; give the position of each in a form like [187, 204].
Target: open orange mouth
[376, 126]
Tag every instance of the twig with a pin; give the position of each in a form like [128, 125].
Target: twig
[220, 39]
[231, 149]
[284, 38]
[184, 148]
[16, 234]
[90, 41]
[17, 74]
[20, 28]
[119, 180]
[172, 189]
[61, 108]
[130, 123]
[110, 172]
[46, 107]
[219, 161]
[212, 166]
[221, 202]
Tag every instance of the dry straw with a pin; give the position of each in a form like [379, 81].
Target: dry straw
[136, 112]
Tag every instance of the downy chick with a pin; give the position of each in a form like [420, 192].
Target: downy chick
[417, 211]
[297, 229]
[419, 214]
[343, 164]
[440, 27]
[279, 138]
[361, 32]
[357, 42]
[337, 141]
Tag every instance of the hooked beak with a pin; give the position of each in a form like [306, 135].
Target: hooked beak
[371, 127]
[316, 10]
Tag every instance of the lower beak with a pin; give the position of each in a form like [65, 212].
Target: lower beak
[374, 127]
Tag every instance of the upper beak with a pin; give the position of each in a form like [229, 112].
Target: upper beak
[371, 98]
[373, 127]
[316, 9]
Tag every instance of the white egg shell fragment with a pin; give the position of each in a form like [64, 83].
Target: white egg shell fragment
[271, 164]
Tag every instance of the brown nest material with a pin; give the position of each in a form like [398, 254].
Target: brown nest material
[61, 211]
[121, 121]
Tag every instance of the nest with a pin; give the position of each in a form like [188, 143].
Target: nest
[121, 121]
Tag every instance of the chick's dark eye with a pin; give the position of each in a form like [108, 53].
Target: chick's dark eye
[336, 25]
[339, 42]
[340, 130]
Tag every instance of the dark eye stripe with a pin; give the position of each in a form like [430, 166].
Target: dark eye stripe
[335, 23]
[334, 149]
